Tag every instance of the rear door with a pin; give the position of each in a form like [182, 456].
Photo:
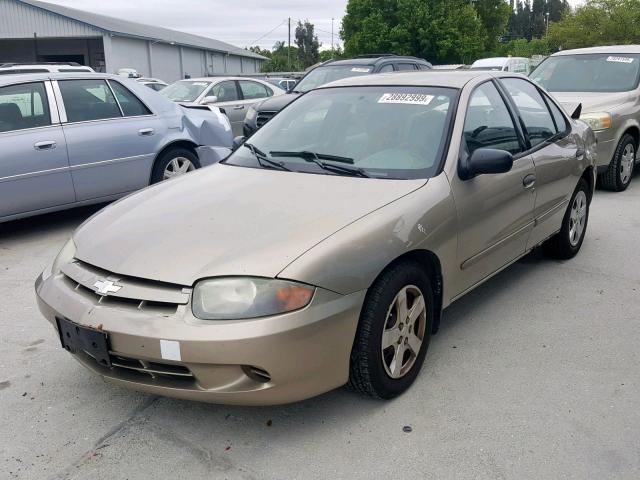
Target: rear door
[112, 137]
[34, 167]
[553, 151]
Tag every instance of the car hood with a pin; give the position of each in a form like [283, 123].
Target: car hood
[276, 103]
[225, 220]
[591, 101]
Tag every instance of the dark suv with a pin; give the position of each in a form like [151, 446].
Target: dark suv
[326, 72]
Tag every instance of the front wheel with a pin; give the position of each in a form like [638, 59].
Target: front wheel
[618, 176]
[566, 243]
[173, 163]
[393, 333]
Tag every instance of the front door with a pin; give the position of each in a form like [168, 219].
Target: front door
[34, 168]
[495, 212]
[112, 143]
[229, 99]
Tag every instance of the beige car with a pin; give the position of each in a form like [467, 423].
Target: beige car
[323, 252]
[604, 81]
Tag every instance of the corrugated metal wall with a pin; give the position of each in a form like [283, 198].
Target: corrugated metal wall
[18, 20]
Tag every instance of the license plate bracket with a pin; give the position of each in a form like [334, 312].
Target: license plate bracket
[76, 338]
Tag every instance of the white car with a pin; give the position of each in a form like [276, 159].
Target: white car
[69, 67]
[233, 94]
[503, 64]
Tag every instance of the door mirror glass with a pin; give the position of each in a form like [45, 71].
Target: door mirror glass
[487, 161]
[210, 99]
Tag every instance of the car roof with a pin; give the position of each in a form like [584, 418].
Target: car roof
[425, 78]
[35, 77]
[371, 60]
[604, 49]
[216, 79]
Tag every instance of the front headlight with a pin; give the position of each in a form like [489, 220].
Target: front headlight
[252, 113]
[64, 256]
[234, 298]
[597, 121]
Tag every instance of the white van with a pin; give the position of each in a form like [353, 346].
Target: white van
[14, 68]
[504, 64]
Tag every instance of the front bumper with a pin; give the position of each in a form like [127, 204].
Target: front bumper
[264, 361]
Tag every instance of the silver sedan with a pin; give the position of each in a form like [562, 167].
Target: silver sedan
[77, 139]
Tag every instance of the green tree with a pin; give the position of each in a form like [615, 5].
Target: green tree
[494, 15]
[331, 54]
[279, 58]
[307, 43]
[441, 31]
[597, 22]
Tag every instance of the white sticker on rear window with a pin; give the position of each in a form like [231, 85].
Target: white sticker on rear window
[200, 84]
[406, 98]
[620, 59]
[360, 70]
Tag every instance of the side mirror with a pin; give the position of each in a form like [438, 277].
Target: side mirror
[210, 99]
[577, 112]
[238, 141]
[485, 161]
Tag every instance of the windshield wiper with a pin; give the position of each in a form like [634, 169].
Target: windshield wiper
[318, 158]
[262, 158]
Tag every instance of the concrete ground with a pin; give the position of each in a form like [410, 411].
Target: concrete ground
[535, 375]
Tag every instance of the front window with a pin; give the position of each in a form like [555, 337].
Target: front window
[330, 73]
[379, 132]
[185, 91]
[596, 72]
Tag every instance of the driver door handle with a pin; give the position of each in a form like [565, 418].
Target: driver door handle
[529, 181]
[239, 107]
[146, 132]
[46, 145]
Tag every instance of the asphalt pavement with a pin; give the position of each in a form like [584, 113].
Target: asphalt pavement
[534, 375]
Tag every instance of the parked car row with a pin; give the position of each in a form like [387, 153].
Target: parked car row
[323, 249]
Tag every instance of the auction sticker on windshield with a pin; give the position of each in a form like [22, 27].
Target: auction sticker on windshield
[406, 98]
[620, 59]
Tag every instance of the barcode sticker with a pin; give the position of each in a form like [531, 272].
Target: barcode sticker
[620, 59]
[406, 98]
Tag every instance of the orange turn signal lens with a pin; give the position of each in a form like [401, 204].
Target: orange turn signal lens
[294, 297]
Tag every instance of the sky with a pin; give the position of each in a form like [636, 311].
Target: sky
[238, 22]
[242, 23]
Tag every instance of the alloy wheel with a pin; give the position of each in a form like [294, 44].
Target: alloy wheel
[627, 163]
[404, 331]
[577, 218]
[178, 166]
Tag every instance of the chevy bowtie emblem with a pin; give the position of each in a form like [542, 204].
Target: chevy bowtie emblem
[105, 287]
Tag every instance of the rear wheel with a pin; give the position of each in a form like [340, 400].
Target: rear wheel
[566, 243]
[618, 176]
[173, 163]
[393, 333]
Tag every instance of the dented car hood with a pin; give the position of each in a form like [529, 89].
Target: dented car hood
[227, 220]
[206, 126]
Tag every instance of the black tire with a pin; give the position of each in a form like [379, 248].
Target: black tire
[367, 374]
[560, 245]
[612, 178]
[157, 175]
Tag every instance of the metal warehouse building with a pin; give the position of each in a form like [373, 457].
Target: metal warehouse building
[36, 31]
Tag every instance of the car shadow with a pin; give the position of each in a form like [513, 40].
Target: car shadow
[47, 224]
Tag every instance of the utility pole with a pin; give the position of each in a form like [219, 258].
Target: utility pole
[289, 49]
[332, 36]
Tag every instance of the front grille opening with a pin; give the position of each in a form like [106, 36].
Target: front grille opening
[162, 372]
[256, 374]
[264, 117]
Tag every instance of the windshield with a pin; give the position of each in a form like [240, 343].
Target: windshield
[330, 73]
[184, 91]
[380, 132]
[597, 72]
